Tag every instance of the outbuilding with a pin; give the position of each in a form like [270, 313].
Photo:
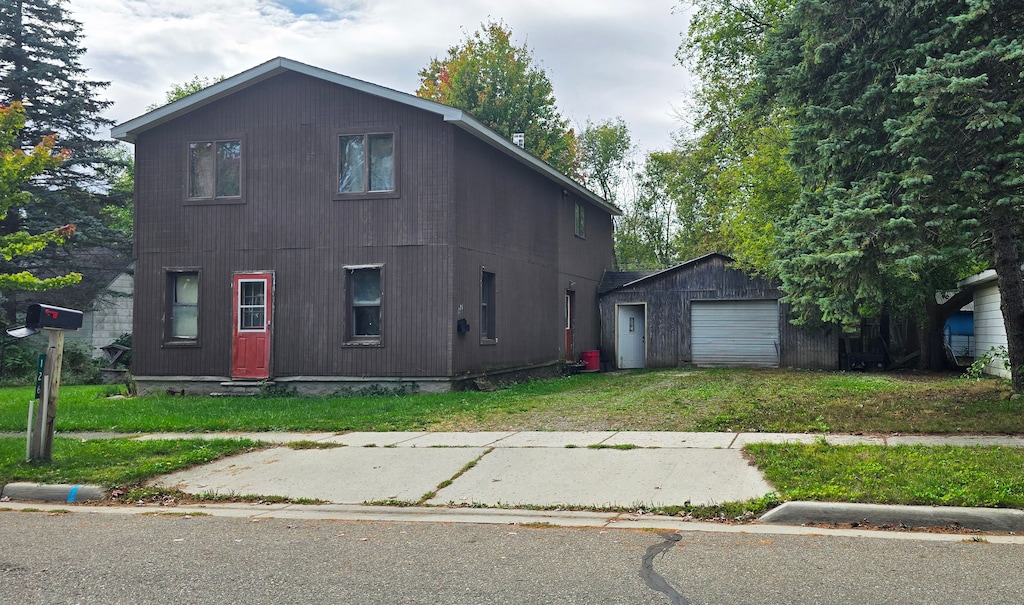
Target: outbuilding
[989, 329]
[703, 312]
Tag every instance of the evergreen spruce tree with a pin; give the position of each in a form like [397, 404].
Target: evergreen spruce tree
[40, 65]
[906, 119]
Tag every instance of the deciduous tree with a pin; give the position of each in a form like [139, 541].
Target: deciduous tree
[647, 233]
[16, 168]
[604, 155]
[734, 182]
[502, 86]
[39, 63]
[184, 89]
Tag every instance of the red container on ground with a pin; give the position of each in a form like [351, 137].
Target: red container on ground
[592, 360]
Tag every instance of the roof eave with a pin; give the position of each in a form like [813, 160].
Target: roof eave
[980, 279]
[692, 261]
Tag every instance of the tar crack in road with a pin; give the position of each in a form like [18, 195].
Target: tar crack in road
[652, 578]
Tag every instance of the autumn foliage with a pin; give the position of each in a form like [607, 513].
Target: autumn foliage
[18, 167]
[501, 86]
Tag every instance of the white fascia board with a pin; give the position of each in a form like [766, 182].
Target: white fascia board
[978, 279]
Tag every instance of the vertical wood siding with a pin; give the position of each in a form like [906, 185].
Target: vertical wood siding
[519, 225]
[460, 205]
[669, 297]
[290, 223]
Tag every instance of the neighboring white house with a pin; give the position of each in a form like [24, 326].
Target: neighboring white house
[111, 315]
[989, 331]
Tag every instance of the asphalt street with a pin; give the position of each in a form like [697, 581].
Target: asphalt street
[115, 557]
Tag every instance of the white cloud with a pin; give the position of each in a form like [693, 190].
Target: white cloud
[606, 58]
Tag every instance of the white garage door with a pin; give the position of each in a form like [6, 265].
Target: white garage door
[735, 333]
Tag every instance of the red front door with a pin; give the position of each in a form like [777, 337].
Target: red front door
[250, 350]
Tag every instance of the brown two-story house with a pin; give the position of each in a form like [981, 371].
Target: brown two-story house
[298, 226]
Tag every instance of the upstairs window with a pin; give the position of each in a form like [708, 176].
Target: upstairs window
[366, 163]
[581, 220]
[214, 170]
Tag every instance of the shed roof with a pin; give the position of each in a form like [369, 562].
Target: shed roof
[978, 279]
[616, 279]
[128, 131]
[613, 280]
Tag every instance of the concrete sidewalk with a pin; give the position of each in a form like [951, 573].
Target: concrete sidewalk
[493, 469]
[601, 469]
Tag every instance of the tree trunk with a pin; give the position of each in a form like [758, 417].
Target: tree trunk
[1005, 242]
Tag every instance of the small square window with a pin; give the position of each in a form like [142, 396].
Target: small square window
[183, 307]
[366, 163]
[364, 304]
[214, 169]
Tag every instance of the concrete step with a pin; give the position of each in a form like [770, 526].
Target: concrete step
[242, 388]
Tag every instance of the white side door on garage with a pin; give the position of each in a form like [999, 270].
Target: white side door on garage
[735, 333]
[630, 336]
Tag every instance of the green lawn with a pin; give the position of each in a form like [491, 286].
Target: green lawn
[941, 476]
[112, 462]
[665, 400]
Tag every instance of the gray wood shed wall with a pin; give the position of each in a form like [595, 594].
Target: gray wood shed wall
[669, 294]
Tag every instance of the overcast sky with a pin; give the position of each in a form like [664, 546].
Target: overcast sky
[605, 58]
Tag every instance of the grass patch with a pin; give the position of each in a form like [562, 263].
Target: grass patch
[605, 446]
[661, 400]
[113, 463]
[391, 502]
[465, 469]
[923, 475]
[725, 512]
[306, 444]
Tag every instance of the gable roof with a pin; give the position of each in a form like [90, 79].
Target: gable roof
[617, 279]
[128, 131]
[614, 280]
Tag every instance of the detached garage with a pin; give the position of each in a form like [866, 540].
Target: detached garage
[705, 313]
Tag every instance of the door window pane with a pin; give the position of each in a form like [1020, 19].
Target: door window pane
[251, 305]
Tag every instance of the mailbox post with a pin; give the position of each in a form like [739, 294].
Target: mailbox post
[56, 321]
